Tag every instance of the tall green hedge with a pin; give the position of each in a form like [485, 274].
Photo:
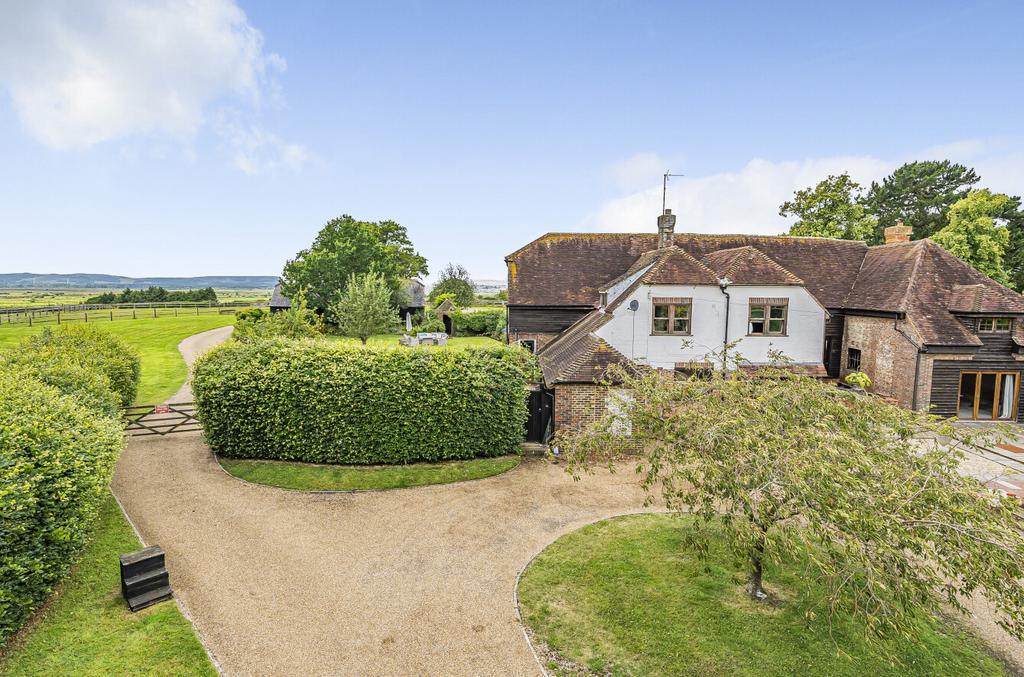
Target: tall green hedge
[324, 403]
[60, 435]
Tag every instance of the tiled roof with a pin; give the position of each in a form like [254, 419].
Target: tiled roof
[279, 300]
[578, 355]
[675, 266]
[749, 265]
[571, 268]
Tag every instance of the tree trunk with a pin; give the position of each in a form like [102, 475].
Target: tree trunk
[754, 588]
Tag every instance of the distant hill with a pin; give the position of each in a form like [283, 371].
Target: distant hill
[97, 281]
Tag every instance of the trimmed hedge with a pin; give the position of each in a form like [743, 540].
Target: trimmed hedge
[60, 434]
[479, 322]
[52, 351]
[324, 403]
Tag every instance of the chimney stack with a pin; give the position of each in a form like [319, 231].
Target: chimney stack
[898, 233]
[666, 229]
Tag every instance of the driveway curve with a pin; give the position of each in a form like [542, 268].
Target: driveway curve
[405, 582]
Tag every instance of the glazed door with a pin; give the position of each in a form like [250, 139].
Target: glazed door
[988, 395]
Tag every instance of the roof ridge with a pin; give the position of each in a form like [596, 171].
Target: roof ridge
[662, 258]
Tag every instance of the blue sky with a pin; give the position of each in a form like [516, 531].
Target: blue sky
[212, 137]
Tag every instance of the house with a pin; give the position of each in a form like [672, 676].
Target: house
[931, 332]
[414, 290]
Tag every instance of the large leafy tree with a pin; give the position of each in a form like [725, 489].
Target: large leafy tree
[976, 232]
[791, 467]
[921, 194]
[454, 280]
[345, 247]
[364, 308]
[1013, 216]
[830, 209]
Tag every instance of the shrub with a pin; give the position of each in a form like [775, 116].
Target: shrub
[859, 379]
[479, 322]
[429, 323]
[56, 459]
[53, 354]
[311, 401]
[297, 321]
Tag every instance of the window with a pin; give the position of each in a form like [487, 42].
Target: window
[995, 324]
[853, 359]
[529, 344]
[767, 317]
[671, 316]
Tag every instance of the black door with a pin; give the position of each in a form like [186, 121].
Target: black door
[539, 405]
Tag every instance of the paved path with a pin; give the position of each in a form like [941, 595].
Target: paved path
[191, 348]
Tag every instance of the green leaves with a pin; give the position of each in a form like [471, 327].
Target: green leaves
[455, 283]
[364, 307]
[974, 234]
[345, 246]
[830, 209]
[60, 434]
[871, 493]
[312, 401]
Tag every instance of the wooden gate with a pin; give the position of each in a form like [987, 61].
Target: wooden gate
[160, 419]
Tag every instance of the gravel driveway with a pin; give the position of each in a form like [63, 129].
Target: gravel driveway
[405, 582]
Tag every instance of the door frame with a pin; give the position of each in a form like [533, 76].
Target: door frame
[999, 374]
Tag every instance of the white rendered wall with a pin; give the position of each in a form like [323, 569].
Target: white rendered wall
[630, 333]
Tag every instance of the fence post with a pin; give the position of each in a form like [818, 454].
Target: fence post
[133, 313]
[154, 311]
[111, 315]
[87, 317]
[58, 317]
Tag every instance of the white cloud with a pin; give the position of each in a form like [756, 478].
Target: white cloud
[747, 200]
[253, 150]
[84, 72]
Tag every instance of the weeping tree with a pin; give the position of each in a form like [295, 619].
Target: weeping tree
[791, 469]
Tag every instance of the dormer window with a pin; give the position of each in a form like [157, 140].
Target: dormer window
[995, 324]
[671, 316]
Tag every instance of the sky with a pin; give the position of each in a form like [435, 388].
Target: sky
[216, 137]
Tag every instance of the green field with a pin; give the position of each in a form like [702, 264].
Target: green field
[626, 597]
[318, 477]
[87, 629]
[28, 298]
[163, 370]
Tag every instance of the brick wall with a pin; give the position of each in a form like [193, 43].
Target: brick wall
[542, 339]
[887, 356]
[578, 405]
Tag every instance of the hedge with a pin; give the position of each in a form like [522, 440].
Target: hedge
[54, 350]
[479, 322]
[60, 435]
[327, 403]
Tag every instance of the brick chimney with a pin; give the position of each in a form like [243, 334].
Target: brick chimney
[666, 229]
[898, 233]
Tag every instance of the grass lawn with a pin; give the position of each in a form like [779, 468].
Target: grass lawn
[88, 630]
[624, 596]
[392, 340]
[316, 477]
[156, 339]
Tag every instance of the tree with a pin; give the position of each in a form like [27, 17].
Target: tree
[296, 321]
[830, 209]
[1013, 216]
[921, 194]
[345, 247]
[454, 279]
[795, 469]
[364, 307]
[975, 234]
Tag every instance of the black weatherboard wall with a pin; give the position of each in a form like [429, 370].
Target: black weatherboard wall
[544, 319]
[996, 354]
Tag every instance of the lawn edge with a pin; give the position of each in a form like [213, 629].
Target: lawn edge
[521, 456]
[177, 600]
[526, 630]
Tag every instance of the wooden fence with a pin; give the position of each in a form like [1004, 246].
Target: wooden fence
[160, 419]
[111, 312]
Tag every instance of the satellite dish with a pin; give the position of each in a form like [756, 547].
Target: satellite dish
[634, 305]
